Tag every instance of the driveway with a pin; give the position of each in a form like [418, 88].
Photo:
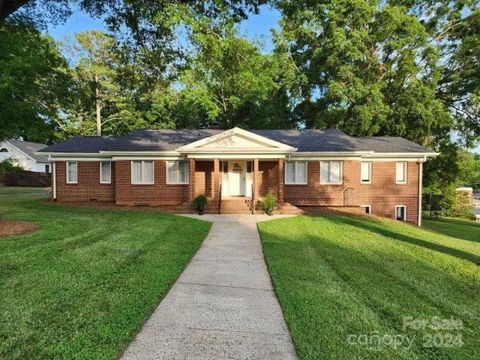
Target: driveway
[223, 305]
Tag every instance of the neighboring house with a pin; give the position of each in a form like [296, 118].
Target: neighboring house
[24, 154]
[236, 168]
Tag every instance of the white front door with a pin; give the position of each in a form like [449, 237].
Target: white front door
[236, 177]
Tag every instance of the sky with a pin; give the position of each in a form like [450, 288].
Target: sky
[255, 28]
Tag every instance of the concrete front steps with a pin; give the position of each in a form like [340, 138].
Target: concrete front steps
[238, 205]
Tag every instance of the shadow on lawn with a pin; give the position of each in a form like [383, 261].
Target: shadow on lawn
[462, 229]
[380, 229]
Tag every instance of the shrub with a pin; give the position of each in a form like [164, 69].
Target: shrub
[461, 212]
[268, 204]
[200, 203]
[8, 166]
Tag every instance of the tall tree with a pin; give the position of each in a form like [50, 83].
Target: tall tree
[228, 82]
[399, 68]
[34, 82]
[101, 104]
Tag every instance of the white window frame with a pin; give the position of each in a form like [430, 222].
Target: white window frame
[367, 207]
[295, 172]
[68, 180]
[101, 174]
[178, 182]
[143, 172]
[329, 182]
[369, 181]
[405, 166]
[405, 212]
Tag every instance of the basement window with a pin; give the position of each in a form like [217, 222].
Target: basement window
[401, 212]
[367, 209]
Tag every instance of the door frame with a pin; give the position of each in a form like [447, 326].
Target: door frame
[242, 174]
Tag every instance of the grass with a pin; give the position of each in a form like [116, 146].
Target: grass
[339, 275]
[458, 228]
[85, 283]
[14, 190]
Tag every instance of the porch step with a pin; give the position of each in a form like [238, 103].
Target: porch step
[236, 206]
[288, 209]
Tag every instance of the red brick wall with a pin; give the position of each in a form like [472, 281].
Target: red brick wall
[203, 177]
[382, 194]
[88, 185]
[268, 177]
[159, 193]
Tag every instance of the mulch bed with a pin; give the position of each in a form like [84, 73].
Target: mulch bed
[13, 227]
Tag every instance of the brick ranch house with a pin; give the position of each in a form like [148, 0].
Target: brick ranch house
[237, 168]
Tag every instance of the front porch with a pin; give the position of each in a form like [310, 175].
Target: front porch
[236, 185]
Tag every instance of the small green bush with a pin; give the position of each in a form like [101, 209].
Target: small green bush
[460, 212]
[200, 203]
[268, 204]
[8, 166]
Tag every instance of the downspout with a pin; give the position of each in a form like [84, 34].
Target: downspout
[54, 180]
[420, 179]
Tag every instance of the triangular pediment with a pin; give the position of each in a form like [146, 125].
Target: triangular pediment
[235, 140]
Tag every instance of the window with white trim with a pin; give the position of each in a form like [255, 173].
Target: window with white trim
[47, 168]
[142, 172]
[331, 172]
[366, 172]
[105, 172]
[367, 209]
[295, 172]
[177, 172]
[401, 175]
[401, 212]
[72, 172]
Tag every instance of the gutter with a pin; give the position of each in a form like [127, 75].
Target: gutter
[54, 179]
[420, 185]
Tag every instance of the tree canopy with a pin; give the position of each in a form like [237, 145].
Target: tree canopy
[34, 83]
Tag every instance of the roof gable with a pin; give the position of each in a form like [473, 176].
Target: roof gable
[235, 140]
[28, 148]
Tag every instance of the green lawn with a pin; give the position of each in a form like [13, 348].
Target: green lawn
[459, 228]
[13, 190]
[82, 285]
[337, 276]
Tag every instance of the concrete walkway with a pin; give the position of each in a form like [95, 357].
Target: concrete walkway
[222, 306]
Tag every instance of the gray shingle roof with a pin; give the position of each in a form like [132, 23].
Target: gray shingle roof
[30, 148]
[169, 140]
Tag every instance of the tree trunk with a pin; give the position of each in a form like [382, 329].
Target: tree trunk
[98, 108]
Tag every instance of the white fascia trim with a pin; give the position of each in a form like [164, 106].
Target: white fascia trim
[239, 156]
[236, 151]
[78, 158]
[147, 157]
[401, 155]
[236, 131]
[140, 153]
[70, 154]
